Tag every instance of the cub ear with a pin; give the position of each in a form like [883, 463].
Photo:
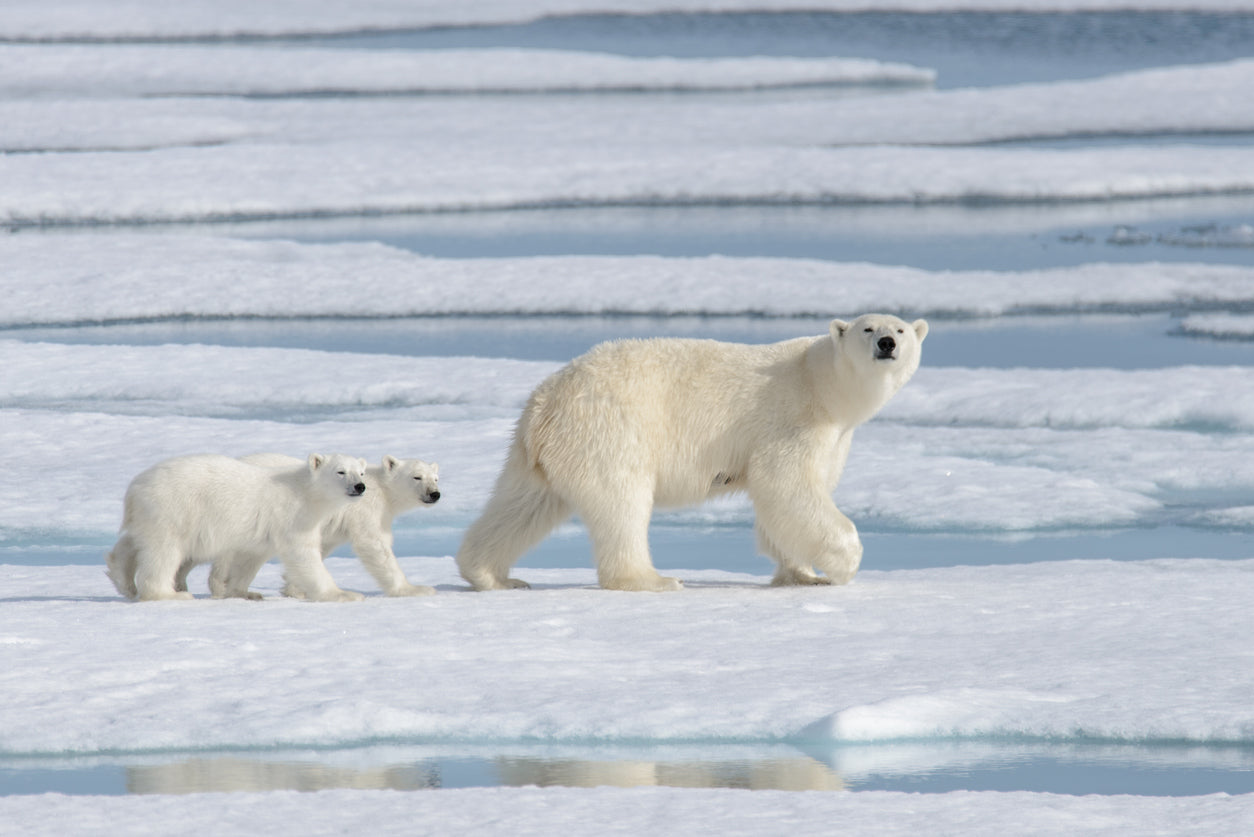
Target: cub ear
[435, 468]
[390, 462]
[363, 465]
[920, 328]
[316, 461]
[838, 329]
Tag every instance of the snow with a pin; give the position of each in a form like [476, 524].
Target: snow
[1061, 653]
[539, 811]
[569, 690]
[66, 279]
[231, 159]
[189, 70]
[1106, 447]
[1238, 326]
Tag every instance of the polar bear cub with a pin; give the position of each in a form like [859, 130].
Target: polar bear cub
[208, 508]
[638, 424]
[392, 488]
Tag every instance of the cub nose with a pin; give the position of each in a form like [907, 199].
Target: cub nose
[887, 344]
[434, 495]
[359, 488]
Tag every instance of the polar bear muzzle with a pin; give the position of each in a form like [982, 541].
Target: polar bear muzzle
[886, 349]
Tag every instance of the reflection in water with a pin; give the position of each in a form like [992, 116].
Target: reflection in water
[939, 766]
[238, 774]
[233, 774]
[763, 774]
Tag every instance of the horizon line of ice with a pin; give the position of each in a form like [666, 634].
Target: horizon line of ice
[253, 71]
[30, 20]
[1175, 101]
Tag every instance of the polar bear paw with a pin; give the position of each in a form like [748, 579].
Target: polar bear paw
[411, 590]
[794, 577]
[336, 595]
[647, 584]
[488, 582]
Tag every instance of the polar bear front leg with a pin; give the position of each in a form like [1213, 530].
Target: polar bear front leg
[304, 571]
[801, 529]
[380, 561]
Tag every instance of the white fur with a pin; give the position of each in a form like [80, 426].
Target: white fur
[392, 488]
[642, 423]
[208, 508]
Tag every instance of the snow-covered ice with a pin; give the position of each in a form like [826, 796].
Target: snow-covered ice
[68, 71]
[83, 19]
[1038, 652]
[59, 279]
[731, 683]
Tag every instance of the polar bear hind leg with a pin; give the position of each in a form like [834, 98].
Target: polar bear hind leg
[157, 566]
[121, 563]
[233, 573]
[619, 530]
[523, 509]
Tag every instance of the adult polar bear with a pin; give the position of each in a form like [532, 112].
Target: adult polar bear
[669, 422]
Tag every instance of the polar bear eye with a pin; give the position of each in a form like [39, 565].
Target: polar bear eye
[901, 331]
[868, 330]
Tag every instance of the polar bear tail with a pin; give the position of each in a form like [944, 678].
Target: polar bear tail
[523, 509]
[121, 563]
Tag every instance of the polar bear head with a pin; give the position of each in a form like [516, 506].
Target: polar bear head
[411, 480]
[345, 473]
[881, 339]
[874, 355]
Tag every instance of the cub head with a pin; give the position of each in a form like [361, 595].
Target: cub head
[415, 478]
[346, 472]
[881, 340]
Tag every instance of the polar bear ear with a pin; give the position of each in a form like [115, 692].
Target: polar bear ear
[435, 468]
[390, 463]
[838, 329]
[316, 461]
[920, 329]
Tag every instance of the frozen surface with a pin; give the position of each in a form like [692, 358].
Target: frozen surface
[995, 450]
[1230, 326]
[44, 71]
[27, 19]
[1057, 651]
[216, 158]
[846, 681]
[1140, 652]
[541, 811]
[76, 279]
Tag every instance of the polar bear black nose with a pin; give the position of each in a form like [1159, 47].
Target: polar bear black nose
[434, 495]
[359, 488]
[887, 344]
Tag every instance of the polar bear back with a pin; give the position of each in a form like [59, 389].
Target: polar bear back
[677, 392]
[211, 503]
